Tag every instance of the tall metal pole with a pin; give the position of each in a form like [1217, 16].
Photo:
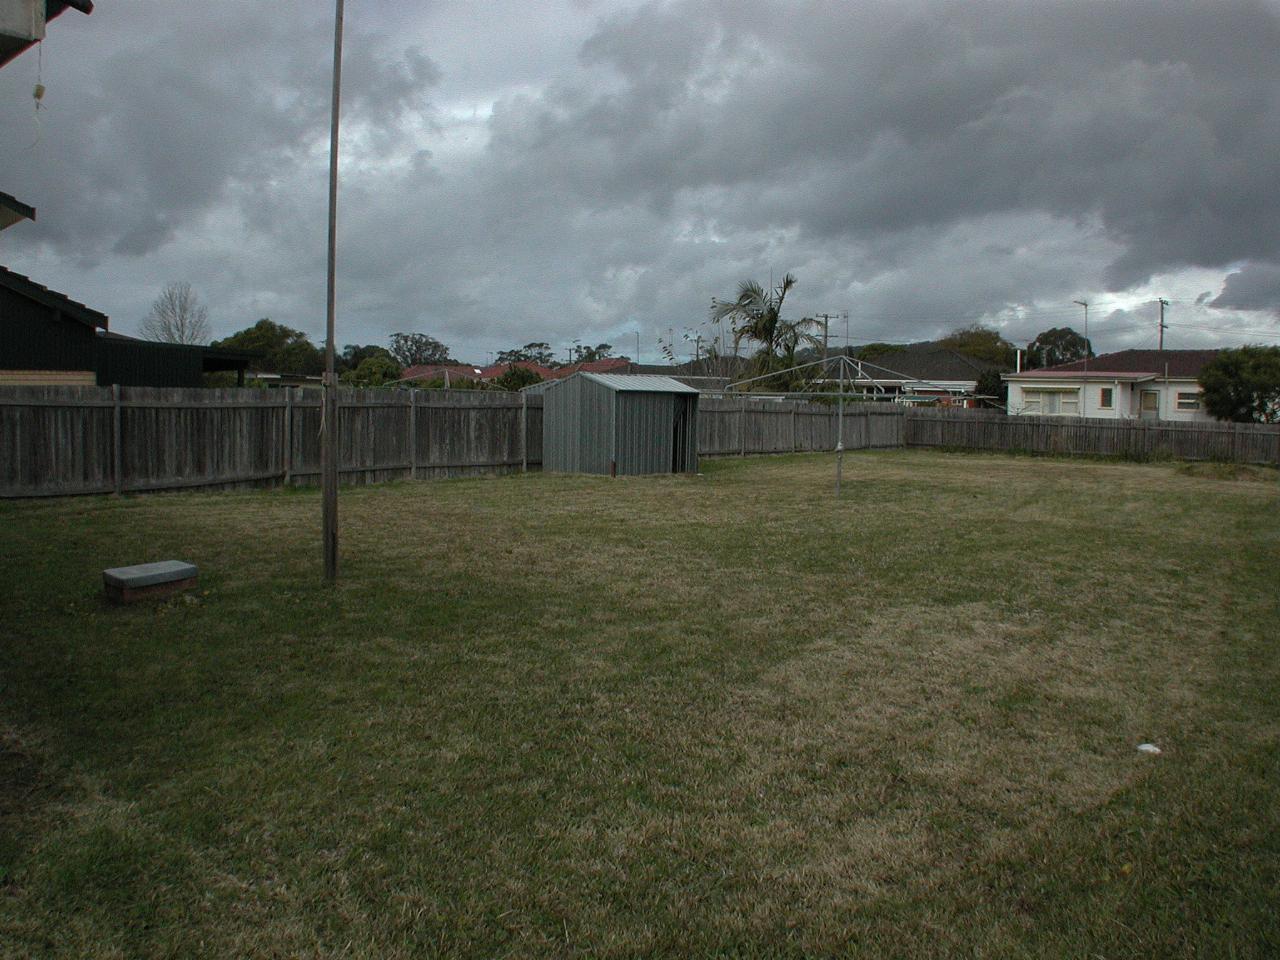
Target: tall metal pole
[1163, 303]
[840, 431]
[329, 444]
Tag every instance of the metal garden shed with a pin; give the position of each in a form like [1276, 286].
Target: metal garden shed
[619, 424]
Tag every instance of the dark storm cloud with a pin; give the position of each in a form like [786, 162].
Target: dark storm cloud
[1256, 286]
[605, 167]
[148, 138]
[1158, 118]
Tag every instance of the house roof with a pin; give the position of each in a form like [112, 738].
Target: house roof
[928, 362]
[495, 370]
[429, 371]
[211, 358]
[607, 365]
[1182, 364]
[12, 210]
[54, 7]
[11, 46]
[73, 310]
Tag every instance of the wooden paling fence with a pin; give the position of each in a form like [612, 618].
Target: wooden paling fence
[73, 440]
[751, 425]
[1131, 439]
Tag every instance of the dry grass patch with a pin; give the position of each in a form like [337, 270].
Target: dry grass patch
[723, 715]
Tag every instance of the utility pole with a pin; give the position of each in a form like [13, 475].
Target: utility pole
[1088, 348]
[1163, 326]
[826, 319]
[329, 447]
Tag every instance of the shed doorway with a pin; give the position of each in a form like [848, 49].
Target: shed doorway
[682, 424]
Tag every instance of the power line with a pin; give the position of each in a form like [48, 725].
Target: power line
[1246, 331]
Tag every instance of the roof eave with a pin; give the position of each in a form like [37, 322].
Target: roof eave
[13, 210]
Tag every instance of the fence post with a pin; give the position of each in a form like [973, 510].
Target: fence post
[287, 454]
[413, 434]
[742, 428]
[117, 440]
[524, 432]
[794, 446]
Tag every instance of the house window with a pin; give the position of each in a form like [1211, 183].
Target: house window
[1107, 398]
[1188, 401]
[1051, 402]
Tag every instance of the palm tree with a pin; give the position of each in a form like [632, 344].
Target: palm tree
[756, 315]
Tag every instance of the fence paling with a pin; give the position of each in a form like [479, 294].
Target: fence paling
[71, 440]
[54, 441]
[1248, 443]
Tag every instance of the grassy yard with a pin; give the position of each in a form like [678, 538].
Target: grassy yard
[723, 715]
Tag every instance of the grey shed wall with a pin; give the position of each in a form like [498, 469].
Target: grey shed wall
[586, 422]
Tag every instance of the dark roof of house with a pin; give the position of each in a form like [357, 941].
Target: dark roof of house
[212, 358]
[28, 288]
[1178, 363]
[12, 210]
[926, 361]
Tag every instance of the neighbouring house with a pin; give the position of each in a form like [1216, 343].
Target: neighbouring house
[921, 373]
[22, 26]
[1128, 385]
[48, 338]
[619, 424]
[260, 378]
[450, 373]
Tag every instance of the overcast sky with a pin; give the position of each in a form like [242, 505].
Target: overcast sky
[574, 169]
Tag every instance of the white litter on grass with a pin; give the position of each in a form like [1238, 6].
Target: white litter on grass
[1148, 748]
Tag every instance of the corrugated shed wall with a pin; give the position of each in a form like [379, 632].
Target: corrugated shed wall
[587, 425]
[644, 432]
[577, 427]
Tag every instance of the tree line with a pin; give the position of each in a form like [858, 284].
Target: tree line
[282, 349]
[1241, 385]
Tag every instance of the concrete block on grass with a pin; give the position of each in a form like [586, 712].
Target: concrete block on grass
[145, 580]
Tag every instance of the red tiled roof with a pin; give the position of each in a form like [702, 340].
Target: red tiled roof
[430, 371]
[607, 365]
[1177, 363]
[495, 370]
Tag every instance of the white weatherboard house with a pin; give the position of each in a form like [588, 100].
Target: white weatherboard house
[1129, 385]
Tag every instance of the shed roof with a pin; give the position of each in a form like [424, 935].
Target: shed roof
[638, 383]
